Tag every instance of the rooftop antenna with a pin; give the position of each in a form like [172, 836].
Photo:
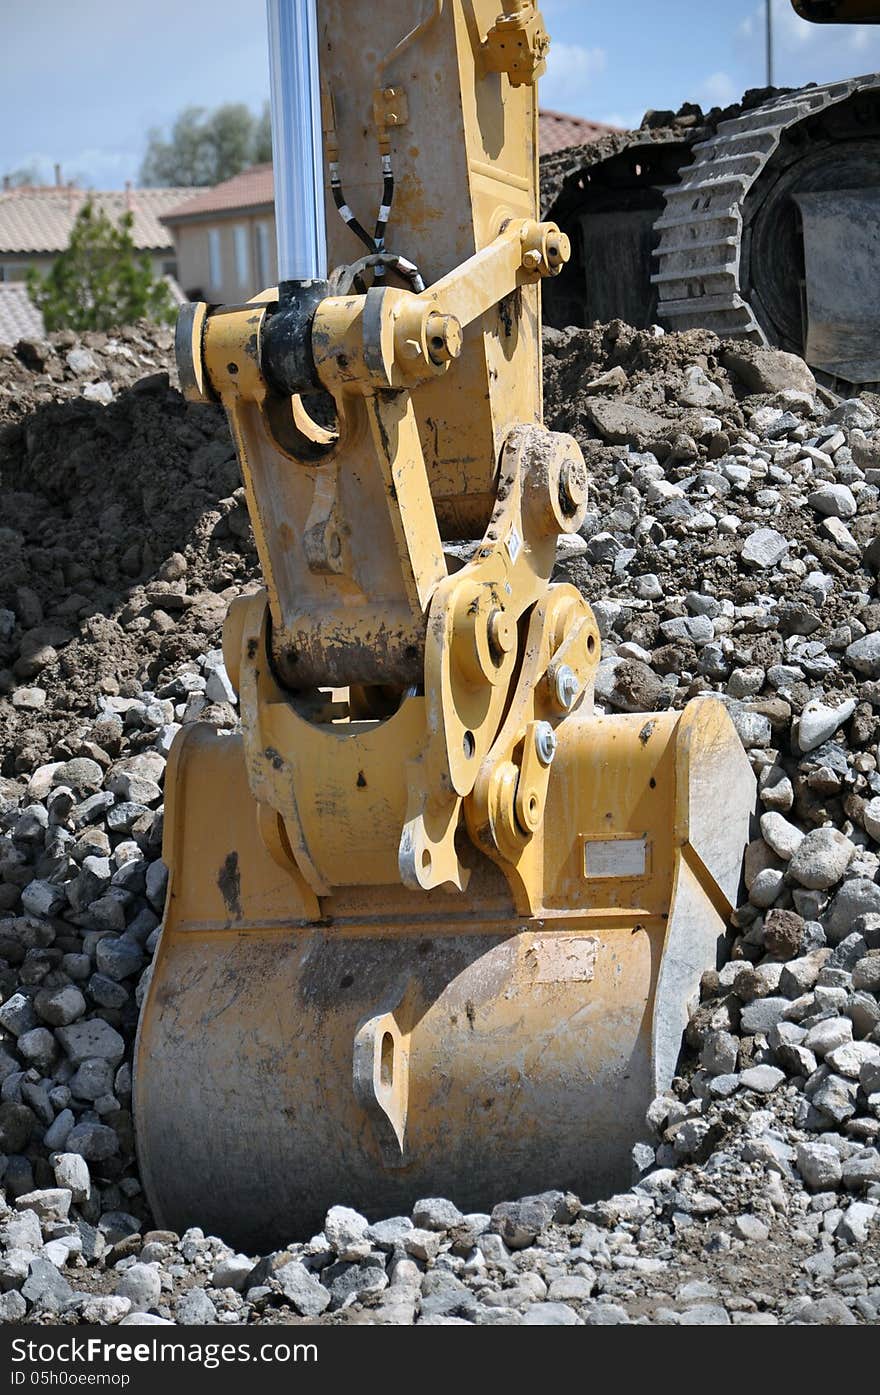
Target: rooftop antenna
[768, 11]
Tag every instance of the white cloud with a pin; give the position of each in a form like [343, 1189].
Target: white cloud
[566, 85]
[717, 90]
[626, 120]
[806, 52]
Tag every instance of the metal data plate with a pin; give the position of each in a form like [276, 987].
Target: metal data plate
[615, 857]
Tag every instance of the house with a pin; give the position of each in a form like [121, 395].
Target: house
[19, 318]
[225, 236]
[36, 223]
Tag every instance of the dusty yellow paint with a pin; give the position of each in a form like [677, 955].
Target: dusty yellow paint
[435, 930]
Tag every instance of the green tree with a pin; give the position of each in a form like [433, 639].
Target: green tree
[100, 281]
[263, 137]
[206, 147]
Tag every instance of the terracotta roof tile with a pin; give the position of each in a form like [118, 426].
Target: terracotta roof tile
[558, 131]
[253, 188]
[41, 219]
[19, 319]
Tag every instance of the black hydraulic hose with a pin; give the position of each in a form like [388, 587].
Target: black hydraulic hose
[345, 212]
[384, 212]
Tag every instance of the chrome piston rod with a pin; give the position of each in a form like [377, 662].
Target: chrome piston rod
[297, 149]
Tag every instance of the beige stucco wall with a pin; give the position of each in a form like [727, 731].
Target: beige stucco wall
[194, 257]
[14, 266]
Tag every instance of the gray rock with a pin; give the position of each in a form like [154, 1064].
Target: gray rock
[23, 1232]
[818, 722]
[60, 1006]
[141, 1284]
[849, 1059]
[94, 1142]
[302, 1289]
[353, 1282]
[862, 1171]
[720, 1053]
[16, 1126]
[856, 897]
[232, 1272]
[550, 1315]
[833, 501]
[763, 1080]
[43, 898]
[443, 1295]
[766, 887]
[157, 885]
[828, 1035]
[118, 1225]
[435, 1213]
[764, 548]
[750, 1227]
[45, 1289]
[820, 1166]
[346, 1232]
[118, 957]
[780, 835]
[864, 655]
[104, 1310]
[17, 1015]
[72, 1171]
[145, 1320]
[519, 1223]
[57, 1134]
[762, 1015]
[49, 1203]
[94, 1037]
[606, 1315]
[822, 858]
[12, 1307]
[38, 1048]
[704, 1315]
[92, 1080]
[195, 1308]
[836, 1098]
[386, 1235]
[857, 1222]
[847, 954]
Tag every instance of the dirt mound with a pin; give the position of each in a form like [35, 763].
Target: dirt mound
[123, 529]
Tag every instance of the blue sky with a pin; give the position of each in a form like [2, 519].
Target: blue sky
[82, 83]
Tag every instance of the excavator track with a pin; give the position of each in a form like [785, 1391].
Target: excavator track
[736, 226]
[704, 276]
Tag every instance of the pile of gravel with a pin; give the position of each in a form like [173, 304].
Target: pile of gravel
[732, 547]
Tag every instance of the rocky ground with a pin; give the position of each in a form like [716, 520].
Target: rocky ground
[733, 546]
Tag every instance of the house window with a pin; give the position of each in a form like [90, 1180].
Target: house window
[169, 268]
[14, 271]
[242, 256]
[215, 264]
[264, 254]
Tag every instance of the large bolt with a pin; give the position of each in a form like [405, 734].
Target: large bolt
[502, 634]
[545, 743]
[444, 337]
[572, 486]
[532, 259]
[558, 251]
[567, 687]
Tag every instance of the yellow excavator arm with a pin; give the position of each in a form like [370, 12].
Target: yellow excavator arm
[434, 924]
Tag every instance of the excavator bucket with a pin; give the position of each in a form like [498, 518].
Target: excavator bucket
[413, 1044]
[434, 924]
